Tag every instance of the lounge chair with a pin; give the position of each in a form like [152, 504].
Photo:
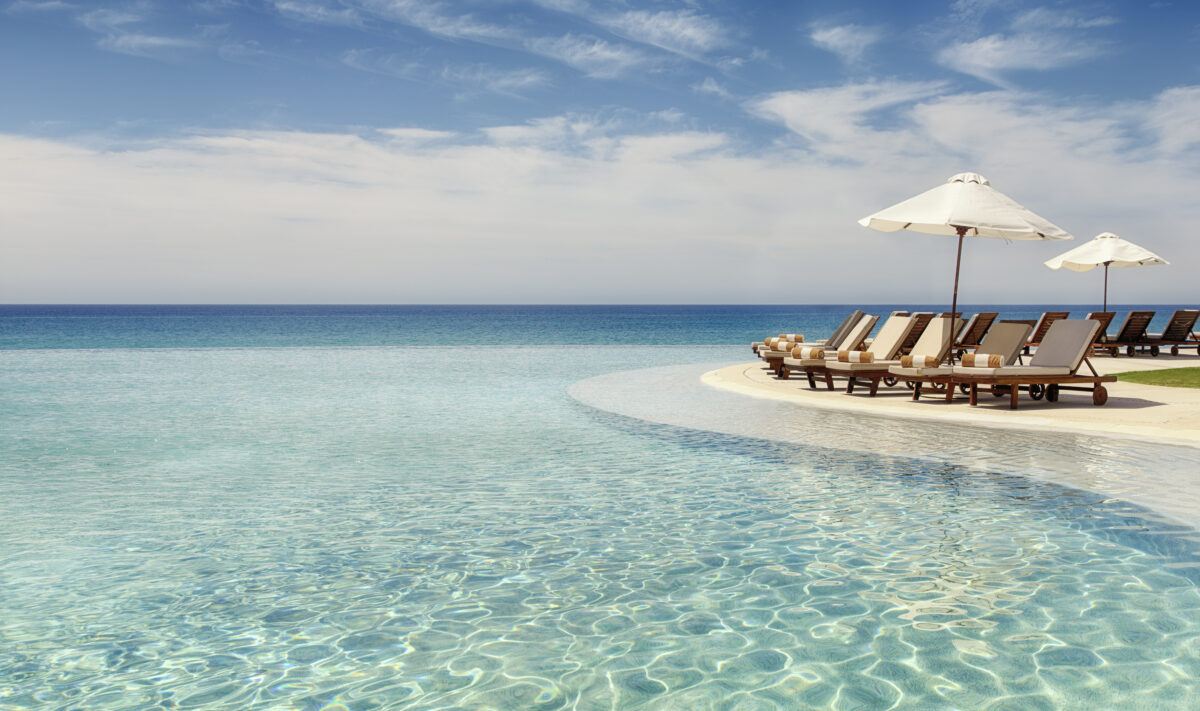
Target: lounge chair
[921, 321]
[1043, 324]
[1054, 367]
[1105, 318]
[812, 361]
[838, 333]
[1003, 339]
[973, 333]
[931, 348]
[774, 350]
[1132, 335]
[1179, 332]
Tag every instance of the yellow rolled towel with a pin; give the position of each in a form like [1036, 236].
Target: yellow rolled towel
[911, 361]
[983, 360]
[808, 353]
[856, 356]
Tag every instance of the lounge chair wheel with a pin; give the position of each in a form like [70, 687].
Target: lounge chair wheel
[1154, 351]
[999, 391]
[1113, 352]
[1130, 351]
[1037, 392]
[1099, 395]
[964, 389]
[1174, 350]
[890, 381]
[909, 384]
[1052, 393]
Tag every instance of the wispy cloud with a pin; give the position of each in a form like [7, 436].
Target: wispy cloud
[480, 77]
[837, 121]
[437, 18]
[1039, 39]
[18, 6]
[319, 12]
[683, 32]
[119, 33]
[590, 55]
[712, 87]
[849, 42]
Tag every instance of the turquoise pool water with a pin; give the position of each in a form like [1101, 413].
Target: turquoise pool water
[428, 527]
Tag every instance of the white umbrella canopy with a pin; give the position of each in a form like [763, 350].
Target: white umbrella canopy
[1105, 250]
[966, 205]
[966, 200]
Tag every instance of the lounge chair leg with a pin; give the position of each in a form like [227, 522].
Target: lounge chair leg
[812, 382]
[828, 380]
[874, 386]
[1012, 397]
[973, 396]
[850, 384]
[917, 390]
[784, 373]
[949, 391]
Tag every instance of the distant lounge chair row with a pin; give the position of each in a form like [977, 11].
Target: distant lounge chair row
[913, 348]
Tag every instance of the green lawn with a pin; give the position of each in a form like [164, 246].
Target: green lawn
[1171, 377]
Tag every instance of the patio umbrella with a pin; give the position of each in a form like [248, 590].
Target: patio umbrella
[966, 205]
[1107, 250]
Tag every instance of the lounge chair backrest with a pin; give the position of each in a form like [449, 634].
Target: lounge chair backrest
[1133, 328]
[1005, 339]
[936, 339]
[1044, 323]
[1066, 343]
[921, 321]
[892, 333]
[1105, 318]
[839, 333]
[858, 333]
[977, 327]
[1181, 325]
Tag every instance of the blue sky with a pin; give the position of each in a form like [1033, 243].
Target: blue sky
[572, 150]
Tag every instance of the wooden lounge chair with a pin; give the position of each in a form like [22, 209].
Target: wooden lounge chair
[773, 352]
[1003, 339]
[1179, 332]
[837, 334]
[1043, 324]
[933, 346]
[1053, 368]
[972, 334]
[921, 321]
[1132, 335]
[813, 361]
[1105, 318]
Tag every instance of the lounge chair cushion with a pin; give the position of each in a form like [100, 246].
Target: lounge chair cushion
[1007, 339]
[805, 362]
[1065, 344]
[983, 360]
[1011, 370]
[877, 366]
[855, 357]
[920, 372]
[935, 339]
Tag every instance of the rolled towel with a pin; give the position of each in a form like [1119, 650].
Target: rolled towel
[911, 361]
[856, 356]
[982, 360]
[808, 353]
[793, 337]
[785, 346]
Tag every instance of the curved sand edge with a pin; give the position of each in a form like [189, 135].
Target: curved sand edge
[1143, 412]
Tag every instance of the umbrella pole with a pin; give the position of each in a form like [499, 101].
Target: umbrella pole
[1106, 285]
[962, 231]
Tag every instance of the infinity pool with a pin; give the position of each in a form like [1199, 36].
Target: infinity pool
[410, 527]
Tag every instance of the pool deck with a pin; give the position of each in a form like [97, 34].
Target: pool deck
[1149, 412]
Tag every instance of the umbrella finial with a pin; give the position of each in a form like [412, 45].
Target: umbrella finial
[969, 178]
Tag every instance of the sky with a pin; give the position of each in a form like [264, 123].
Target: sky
[584, 151]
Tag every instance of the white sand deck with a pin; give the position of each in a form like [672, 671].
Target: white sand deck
[1148, 412]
